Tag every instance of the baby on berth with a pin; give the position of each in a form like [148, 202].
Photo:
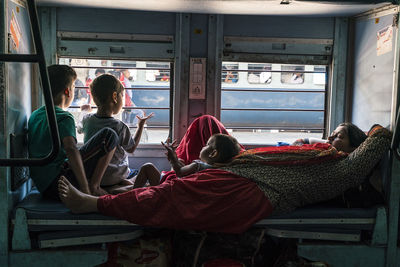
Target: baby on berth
[220, 148]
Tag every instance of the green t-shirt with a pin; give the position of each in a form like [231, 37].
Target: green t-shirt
[40, 144]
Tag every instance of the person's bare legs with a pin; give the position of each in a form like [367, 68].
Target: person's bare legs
[148, 172]
[74, 199]
[98, 173]
[153, 175]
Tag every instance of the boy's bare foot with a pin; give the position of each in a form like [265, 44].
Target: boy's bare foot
[74, 199]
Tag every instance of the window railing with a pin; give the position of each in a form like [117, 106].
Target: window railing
[278, 105]
[147, 89]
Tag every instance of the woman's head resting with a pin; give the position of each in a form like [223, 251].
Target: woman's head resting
[346, 137]
[220, 148]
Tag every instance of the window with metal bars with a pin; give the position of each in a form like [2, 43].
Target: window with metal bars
[271, 103]
[147, 89]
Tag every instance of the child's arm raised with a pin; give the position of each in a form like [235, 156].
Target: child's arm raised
[179, 168]
[75, 162]
[138, 134]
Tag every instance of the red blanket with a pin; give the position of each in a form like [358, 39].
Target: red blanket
[289, 155]
[211, 200]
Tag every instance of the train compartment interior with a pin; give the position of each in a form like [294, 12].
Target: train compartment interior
[270, 73]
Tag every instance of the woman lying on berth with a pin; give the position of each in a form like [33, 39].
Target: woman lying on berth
[232, 197]
[346, 137]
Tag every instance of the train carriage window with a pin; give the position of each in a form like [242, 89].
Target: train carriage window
[128, 70]
[274, 109]
[262, 73]
[292, 74]
[157, 72]
[229, 75]
[142, 94]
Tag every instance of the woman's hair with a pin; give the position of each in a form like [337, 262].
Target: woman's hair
[227, 147]
[103, 87]
[61, 77]
[356, 135]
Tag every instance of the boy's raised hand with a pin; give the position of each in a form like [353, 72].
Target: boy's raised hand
[144, 118]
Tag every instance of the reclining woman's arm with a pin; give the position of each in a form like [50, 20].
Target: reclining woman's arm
[311, 141]
[360, 162]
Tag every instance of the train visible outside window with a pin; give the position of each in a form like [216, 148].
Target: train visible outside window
[229, 75]
[292, 74]
[159, 72]
[147, 89]
[271, 103]
[261, 74]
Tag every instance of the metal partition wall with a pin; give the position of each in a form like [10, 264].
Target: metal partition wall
[373, 80]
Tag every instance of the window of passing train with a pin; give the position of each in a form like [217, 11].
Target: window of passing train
[147, 89]
[271, 103]
[229, 73]
[157, 71]
[292, 74]
[261, 73]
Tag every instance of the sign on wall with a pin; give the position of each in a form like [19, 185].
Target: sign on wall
[197, 85]
[384, 39]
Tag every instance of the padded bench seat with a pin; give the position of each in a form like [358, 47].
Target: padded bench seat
[55, 225]
[323, 216]
[313, 222]
[324, 223]
[44, 214]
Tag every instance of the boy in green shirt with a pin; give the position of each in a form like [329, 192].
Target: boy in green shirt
[83, 167]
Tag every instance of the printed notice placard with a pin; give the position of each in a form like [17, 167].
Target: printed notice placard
[384, 39]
